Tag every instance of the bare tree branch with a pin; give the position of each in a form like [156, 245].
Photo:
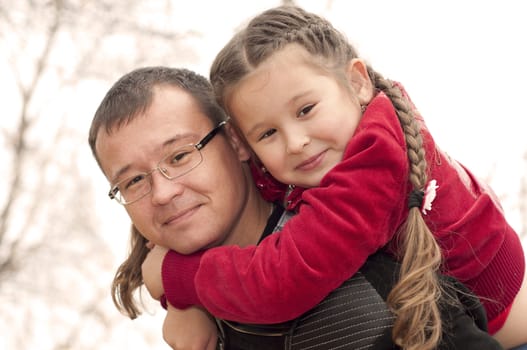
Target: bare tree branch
[60, 43]
[19, 146]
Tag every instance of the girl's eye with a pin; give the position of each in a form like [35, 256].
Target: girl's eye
[305, 110]
[266, 134]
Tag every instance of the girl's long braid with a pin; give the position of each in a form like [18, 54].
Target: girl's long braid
[414, 299]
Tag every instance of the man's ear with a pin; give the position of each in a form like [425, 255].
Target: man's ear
[237, 142]
[358, 77]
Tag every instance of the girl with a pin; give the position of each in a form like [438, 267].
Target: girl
[297, 91]
[318, 117]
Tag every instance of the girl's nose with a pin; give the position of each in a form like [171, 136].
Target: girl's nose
[296, 143]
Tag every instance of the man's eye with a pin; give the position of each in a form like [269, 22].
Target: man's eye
[305, 110]
[267, 134]
[179, 157]
[134, 181]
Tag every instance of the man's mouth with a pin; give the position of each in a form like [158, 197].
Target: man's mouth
[181, 215]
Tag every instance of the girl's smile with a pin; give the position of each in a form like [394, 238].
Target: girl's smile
[296, 117]
[311, 163]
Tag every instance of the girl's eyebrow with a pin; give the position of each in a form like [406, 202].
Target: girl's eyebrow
[254, 129]
[298, 96]
[289, 104]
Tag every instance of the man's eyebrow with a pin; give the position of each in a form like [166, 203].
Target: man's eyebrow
[120, 172]
[167, 143]
[178, 138]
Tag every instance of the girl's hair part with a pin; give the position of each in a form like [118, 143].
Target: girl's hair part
[414, 299]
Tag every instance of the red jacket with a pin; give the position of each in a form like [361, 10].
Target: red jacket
[355, 211]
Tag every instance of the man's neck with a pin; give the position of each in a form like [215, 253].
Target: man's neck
[252, 220]
[250, 229]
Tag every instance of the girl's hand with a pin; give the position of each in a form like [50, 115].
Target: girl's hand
[151, 270]
[189, 329]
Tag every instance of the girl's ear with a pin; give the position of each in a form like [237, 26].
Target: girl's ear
[358, 77]
[237, 142]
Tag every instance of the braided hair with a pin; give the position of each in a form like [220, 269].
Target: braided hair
[414, 299]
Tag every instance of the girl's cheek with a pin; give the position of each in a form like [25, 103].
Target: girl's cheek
[264, 151]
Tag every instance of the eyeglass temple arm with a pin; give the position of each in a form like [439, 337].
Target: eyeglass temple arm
[113, 192]
[210, 135]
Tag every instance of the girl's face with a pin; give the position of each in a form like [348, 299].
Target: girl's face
[296, 117]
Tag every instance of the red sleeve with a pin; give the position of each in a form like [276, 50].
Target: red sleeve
[354, 212]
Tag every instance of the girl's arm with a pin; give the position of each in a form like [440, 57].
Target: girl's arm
[355, 212]
[187, 329]
[192, 328]
[151, 271]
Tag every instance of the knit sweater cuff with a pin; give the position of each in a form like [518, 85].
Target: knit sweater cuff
[178, 273]
[508, 261]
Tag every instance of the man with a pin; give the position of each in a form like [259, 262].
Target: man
[182, 174]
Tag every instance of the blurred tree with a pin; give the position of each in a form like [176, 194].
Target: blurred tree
[55, 268]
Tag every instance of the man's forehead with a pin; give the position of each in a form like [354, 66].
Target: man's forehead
[164, 119]
[144, 140]
[172, 118]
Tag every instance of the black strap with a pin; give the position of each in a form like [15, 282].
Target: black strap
[272, 221]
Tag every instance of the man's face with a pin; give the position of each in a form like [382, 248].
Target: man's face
[191, 212]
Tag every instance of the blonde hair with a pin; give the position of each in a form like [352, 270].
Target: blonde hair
[128, 277]
[414, 299]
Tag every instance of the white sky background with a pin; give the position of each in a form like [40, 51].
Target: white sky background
[462, 62]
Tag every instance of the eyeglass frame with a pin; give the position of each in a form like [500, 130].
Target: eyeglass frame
[198, 146]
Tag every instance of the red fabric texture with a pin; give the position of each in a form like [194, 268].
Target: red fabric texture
[181, 292]
[498, 321]
[356, 211]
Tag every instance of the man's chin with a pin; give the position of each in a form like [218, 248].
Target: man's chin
[193, 247]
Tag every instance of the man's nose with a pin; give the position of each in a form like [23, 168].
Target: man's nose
[164, 189]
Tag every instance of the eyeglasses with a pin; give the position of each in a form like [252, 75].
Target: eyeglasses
[175, 164]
